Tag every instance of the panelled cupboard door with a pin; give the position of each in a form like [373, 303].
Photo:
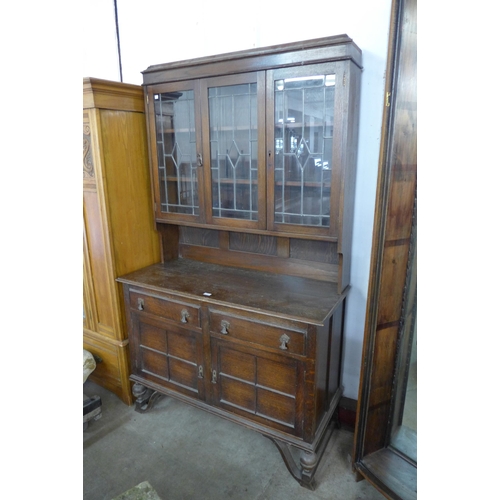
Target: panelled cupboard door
[304, 143]
[168, 355]
[264, 387]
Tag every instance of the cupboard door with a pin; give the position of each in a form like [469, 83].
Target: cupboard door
[303, 147]
[234, 122]
[176, 151]
[168, 355]
[263, 387]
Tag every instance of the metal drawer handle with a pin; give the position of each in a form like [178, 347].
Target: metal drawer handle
[140, 304]
[184, 316]
[284, 339]
[224, 326]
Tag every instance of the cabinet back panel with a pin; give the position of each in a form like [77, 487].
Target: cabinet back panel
[253, 243]
[292, 256]
[199, 237]
[317, 251]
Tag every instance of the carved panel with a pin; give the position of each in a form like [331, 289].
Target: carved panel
[88, 164]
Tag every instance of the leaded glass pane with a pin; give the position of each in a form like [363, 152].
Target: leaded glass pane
[233, 150]
[176, 152]
[303, 149]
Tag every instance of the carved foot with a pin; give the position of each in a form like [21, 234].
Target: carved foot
[145, 398]
[308, 462]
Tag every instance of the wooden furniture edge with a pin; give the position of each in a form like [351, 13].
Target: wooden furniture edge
[107, 94]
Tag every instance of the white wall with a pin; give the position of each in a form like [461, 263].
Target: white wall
[155, 31]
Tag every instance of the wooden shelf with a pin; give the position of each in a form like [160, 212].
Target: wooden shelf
[312, 184]
[188, 130]
[243, 182]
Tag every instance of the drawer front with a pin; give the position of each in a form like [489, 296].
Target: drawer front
[181, 313]
[258, 332]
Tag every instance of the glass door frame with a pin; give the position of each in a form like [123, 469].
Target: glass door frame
[223, 81]
[337, 160]
[153, 151]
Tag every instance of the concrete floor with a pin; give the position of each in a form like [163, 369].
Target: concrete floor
[186, 453]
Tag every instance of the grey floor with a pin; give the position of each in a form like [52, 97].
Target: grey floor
[186, 453]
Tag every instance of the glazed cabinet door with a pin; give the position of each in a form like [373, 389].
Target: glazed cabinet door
[208, 150]
[234, 149]
[264, 387]
[176, 151]
[304, 117]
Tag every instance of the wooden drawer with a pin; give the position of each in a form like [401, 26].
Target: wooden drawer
[287, 339]
[181, 313]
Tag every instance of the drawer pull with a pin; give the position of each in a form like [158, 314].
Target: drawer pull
[140, 304]
[224, 326]
[184, 316]
[284, 339]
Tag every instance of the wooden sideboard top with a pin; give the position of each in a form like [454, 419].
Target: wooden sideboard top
[301, 299]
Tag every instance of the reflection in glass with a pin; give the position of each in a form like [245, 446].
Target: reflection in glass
[404, 437]
[233, 150]
[410, 409]
[303, 149]
[176, 152]
[404, 426]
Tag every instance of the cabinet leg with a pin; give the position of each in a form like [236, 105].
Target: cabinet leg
[304, 472]
[308, 462]
[145, 398]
